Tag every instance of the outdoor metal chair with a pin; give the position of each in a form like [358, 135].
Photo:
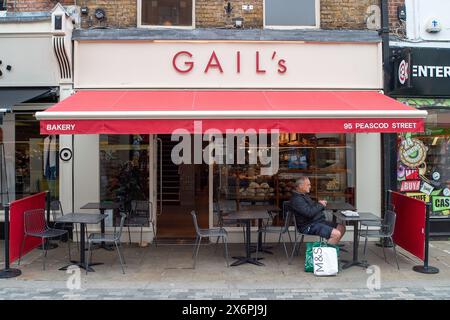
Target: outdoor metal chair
[36, 226]
[280, 230]
[218, 210]
[206, 233]
[298, 234]
[140, 215]
[57, 210]
[386, 231]
[98, 238]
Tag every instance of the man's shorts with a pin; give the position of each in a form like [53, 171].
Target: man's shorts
[321, 228]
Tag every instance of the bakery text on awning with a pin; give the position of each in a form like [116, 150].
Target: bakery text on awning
[163, 111]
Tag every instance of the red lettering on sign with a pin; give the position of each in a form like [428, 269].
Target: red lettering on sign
[258, 70]
[238, 62]
[216, 63]
[189, 64]
[410, 186]
[282, 66]
[411, 174]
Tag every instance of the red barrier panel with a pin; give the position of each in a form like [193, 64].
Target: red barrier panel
[16, 226]
[410, 224]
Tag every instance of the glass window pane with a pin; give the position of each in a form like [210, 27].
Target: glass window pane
[167, 12]
[290, 12]
[425, 174]
[30, 163]
[327, 159]
[124, 170]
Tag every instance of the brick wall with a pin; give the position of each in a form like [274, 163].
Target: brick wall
[394, 24]
[34, 5]
[119, 13]
[345, 14]
[211, 13]
[335, 14]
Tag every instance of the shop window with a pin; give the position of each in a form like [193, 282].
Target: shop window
[166, 13]
[124, 170]
[286, 14]
[423, 170]
[2, 5]
[327, 159]
[31, 162]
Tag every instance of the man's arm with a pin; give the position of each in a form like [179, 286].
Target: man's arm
[306, 209]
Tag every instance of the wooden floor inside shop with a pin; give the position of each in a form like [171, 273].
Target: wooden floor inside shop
[176, 224]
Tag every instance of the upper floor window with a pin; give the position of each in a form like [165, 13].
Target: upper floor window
[166, 13]
[289, 14]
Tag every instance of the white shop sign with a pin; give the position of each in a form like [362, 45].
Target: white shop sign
[146, 64]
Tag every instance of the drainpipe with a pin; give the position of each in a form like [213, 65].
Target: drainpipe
[389, 140]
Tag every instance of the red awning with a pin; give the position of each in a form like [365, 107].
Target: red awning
[133, 112]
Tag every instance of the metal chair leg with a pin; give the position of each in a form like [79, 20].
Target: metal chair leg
[285, 248]
[300, 246]
[120, 257]
[293, 252]
[196, 253]
[195, 246]
[395, 253]
[21, 248]
[154, 234]
[224, 240]
[123, 257]
[257, 248]
[89, 257]
[384, 251]
[365, 244]
[76, 236]
[44, 254]
[289, 234]
[129, 236]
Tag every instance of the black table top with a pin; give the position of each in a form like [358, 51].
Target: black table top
[363, 216]
[101, 205]
[260, 207]
[339, 206]
[75, 217]
[246, 215]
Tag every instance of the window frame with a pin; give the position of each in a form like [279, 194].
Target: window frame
[317, 26]
[154, 26]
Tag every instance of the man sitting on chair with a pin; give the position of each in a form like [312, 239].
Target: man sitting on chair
[310, 216]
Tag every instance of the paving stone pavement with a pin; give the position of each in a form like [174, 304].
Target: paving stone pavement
[165, 272]
[435, 293]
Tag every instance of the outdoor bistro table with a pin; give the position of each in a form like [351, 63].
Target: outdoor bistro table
[82, 219]
[102, 206]
[363, 216]
[268, 208]
[338, 206]
[247, 216]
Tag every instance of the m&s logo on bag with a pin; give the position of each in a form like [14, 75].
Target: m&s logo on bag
[318, 260]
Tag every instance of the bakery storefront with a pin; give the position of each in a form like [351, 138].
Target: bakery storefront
[422, 80]
[212, 124]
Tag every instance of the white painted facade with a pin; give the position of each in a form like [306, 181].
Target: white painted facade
[422, 15]
[149, 65]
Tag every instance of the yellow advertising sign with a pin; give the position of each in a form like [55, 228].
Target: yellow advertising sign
[419, 196]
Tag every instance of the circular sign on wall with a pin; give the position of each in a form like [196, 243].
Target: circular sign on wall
[436, 176]
[65, 154]
[446, 192]
[412, 153]
[403, 72]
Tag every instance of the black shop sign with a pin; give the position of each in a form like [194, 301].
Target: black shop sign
[419, 72]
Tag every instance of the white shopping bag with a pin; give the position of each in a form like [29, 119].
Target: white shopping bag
[325, 261]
